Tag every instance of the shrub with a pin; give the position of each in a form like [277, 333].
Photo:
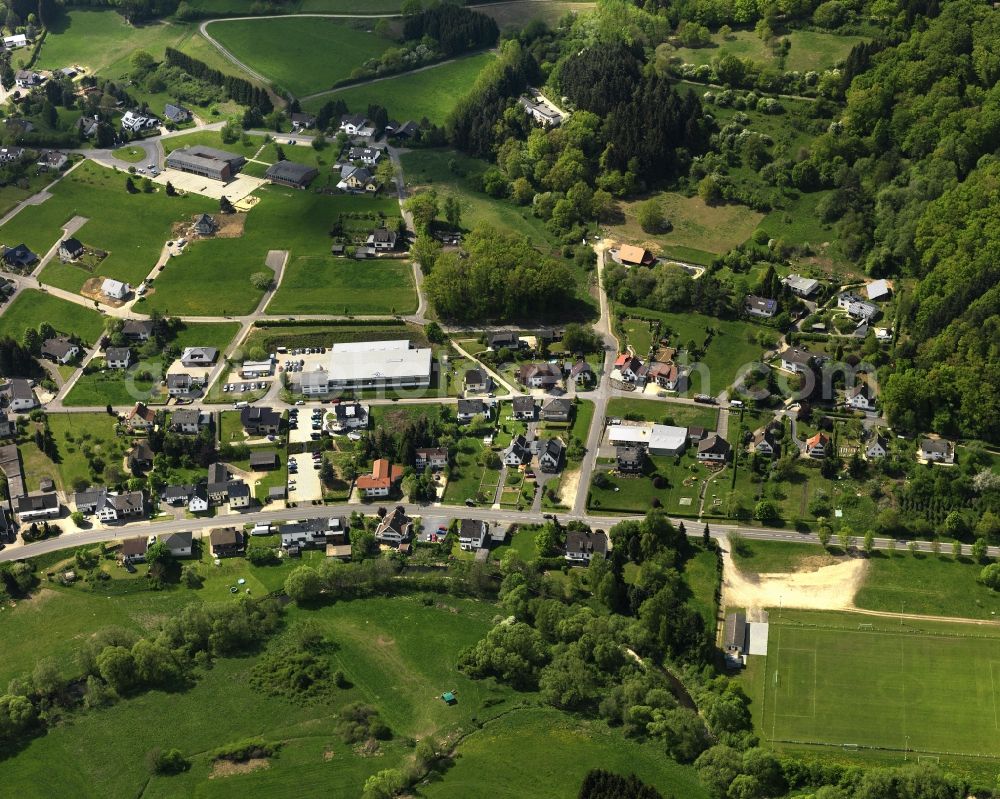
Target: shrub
[171, 761]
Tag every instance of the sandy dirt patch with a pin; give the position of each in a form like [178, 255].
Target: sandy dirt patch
[568, 487]
[92, 291]
[227, 768]
[228, 226]
[824, 587]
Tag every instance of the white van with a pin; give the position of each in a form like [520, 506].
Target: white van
[238, 405]
[735, 403]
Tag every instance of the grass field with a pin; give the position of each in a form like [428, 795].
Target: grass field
[431, 93]
[132, 154]
[76, 432]
[672, 413]
[729, 350]
[284, 219]
[923, 686]
[30, 308]
[118, 387]
[712, 229]
[326, 51]
[928, 584]
[114, 219]
[517, 13]
[211, 8]
[810, 50]
[321, 284]
[771, 557]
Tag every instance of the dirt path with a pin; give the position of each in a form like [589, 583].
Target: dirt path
[827, 588]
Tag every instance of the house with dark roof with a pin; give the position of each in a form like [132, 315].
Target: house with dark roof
[226, 542]
[469, 409]
[218, 482]
[764, 442]
[473, 534]
[581, 372]
[861, 397]
[539, 375]
[138, 329]
[177, 494]
[937, 450]
[435, 458]
[204, 225]
[239, 493]
[760, 306]
[263, 461]
[36, 506]
[582, 546]
[177, 114]
[70, 249]
[133, 550]
[290, 173]
[179, 544]
[181, 384]
[199, 356]
[518, 452]
[877, 447]
[557, 410]
[506, 339]
[302, 121]
[551, 455]
[357, 179]
[394, 528]
[59, 349]
[478, 381]
[116, 507]
[20, 394]
[140, 457]
[118, 357]
[382, 239]
[630, 459]
[523, 408]
[19, 256]
[350, 416]
[794, 359]
[713, 449]
[407, 130]
[260, 421]
[188, 420]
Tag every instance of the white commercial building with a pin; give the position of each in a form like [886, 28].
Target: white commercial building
[659, 439]
[378, 364]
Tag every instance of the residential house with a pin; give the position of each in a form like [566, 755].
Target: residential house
[354, 124]
[713, 449]
[541, 113]
[188, 420]
[70, 249]
[394, 528]
[117, 507]
[408, 130]
[141, 417]
[877, 447]
[469, 409]
[630, 255]
[350, 416]
[582, 546]
[87, 126]
[15, 41]
[382, 239]
[179, 384]
[557, 410]
[263, 461]
[291, 173]
[665, 375]
[52, 160]
[303, 121]
[115, 289]
[518, 452]
[506, 339]
[239, 493]
[138, 329]
[630, 459]
[764, 442]
[9, 155]
[629, 368]
[29, 507]
[19, 256]
[581, 373]
[794, 359]
[356, 179]
[382, 479]
[8, 425]
[198, 502]
[434, 458]
[28, 79]
[524, 409]
[199, 356]
[313, 534]
[473, 534]
[204, 225]
[551, 455]
[226, 542]
[118, 357]
[140, 457]
[133, 550]
[478, 381]
[801, 286]
[218, 483]
[260, 421]
[818, 446]
[136, 121]
[59, 349]
[937, 450]
[20, 395]
[369, 156]
[177, 114]
[539, 375]
[856, 307]
[90, 499]
[177, 494]
[861, 397]
[878, 290]
[179, 544]
[760, 306]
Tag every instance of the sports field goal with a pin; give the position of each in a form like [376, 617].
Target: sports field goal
[849, 747]
[929, 759]
[866, 627]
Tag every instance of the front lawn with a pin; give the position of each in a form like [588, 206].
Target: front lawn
[30, 308]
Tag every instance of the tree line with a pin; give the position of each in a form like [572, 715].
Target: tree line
[237, 89]
[454, 28]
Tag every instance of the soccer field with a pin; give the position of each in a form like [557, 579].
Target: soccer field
[845, 679]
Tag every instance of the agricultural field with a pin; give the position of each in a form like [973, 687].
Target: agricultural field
[810, 50]
[517, 13]
[30, 308]
[102, 42]
[223, 8]
[728, 349]
[131, 228]
[326, 51]
[285, 219]
[430, 93]
[321, 284]
[917, 686]
[698, 231]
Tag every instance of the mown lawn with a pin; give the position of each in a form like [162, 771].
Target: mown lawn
[670, 413]
[131, 228]
[212, 8]
[30, 308]
[323, 284]
[772, 557]
[118, 387]
[432, 93]
[325, 51]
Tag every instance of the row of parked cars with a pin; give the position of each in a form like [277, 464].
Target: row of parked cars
[244, 386]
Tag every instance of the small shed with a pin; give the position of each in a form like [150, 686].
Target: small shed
[449, 698]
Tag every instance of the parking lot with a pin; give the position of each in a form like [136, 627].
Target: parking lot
[299, 361]
[304, 424]
[303, 478]
[235, 190]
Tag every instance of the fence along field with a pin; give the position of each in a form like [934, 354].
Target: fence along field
[839, 680]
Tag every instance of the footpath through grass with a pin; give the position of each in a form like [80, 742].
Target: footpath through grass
[918, 686]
